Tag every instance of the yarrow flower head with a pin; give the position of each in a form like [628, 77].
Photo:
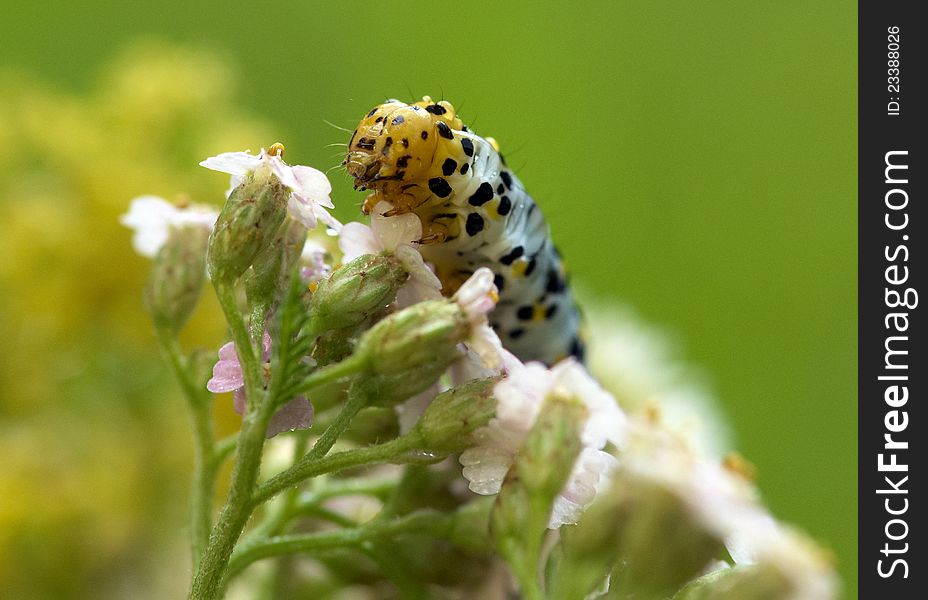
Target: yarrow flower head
[718, 501]
[520, 398]
[309, 187]
[720, 498]
[152, 218]
[396, 235]
[228, 377]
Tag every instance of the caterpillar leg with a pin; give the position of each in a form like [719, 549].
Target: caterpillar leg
[433, 238]
[400, 203]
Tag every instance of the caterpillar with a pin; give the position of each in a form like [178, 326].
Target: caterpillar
[475, 212]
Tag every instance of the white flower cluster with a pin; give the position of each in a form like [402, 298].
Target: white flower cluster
[309, 187]
[658, 449]
[519, 400]
[723, 501]
[152, 218]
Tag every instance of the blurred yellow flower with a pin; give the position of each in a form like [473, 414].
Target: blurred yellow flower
[88, 480]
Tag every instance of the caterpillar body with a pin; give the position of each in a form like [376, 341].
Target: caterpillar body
[421, 158]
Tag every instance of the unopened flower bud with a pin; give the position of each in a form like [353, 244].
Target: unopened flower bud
[538, 474]
[450, 420]
[364, 286]
[423, 335]
[177, 276]
[647, 534]
[269, 275]
[544, 462]
[399, 386]
[247, 224]
[792, 568]
[669, 514]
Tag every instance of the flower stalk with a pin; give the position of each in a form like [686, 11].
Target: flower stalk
[430, 522]
[205, 463]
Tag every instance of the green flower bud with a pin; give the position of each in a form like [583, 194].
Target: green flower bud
[545, 461]
[645, 535]
[788, 565]
[449, 422]
[247, 224]
[337, 344]
[177, 276]
[749, 581]
[269, 276]
[424, 335]
[364, 286]
[399, 386]
[538, 474]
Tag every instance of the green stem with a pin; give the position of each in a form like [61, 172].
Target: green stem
[525, 571]
[377, 488]
[352, 365]
[235, 513]
[357, 399]
[244, 344]
[530, 577]
[237, 509]
[426, 521]
[240, 500]
[239, 505]
[330, 516]
[528, 582]
[336, 462]
[204, 467]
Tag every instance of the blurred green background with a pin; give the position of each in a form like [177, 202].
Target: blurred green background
[697, 160]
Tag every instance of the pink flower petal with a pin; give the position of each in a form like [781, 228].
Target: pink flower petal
[468, 368]
[227, 376]
[266, 346]
[486, 344]
[238, 401]
[414, 291]
[296, 414]
[510, 361]
[227, 352]
[152, 218]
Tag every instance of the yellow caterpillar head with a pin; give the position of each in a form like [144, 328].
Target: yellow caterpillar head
[397, 142]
